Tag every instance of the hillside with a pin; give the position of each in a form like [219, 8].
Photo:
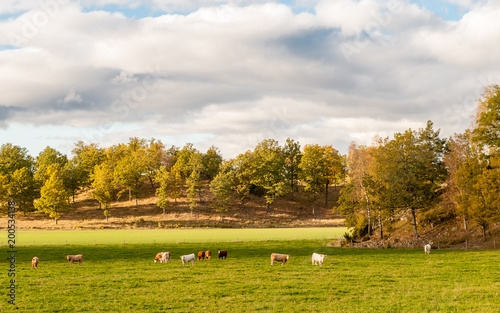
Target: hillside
[285, 212]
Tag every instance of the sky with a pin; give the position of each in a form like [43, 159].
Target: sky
[231, 73]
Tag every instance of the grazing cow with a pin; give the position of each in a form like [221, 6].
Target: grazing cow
[318, 258]
[201, 255]
[427, 249]
[208, 254]
[34, 263]
[187, 258]
[279, 258]
[159, 256]
[165, 258]
[222, 254]
[75, 258]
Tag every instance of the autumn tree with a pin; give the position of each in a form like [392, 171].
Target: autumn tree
[85, 158]
[53, 199]
[104, 185]
[22, 189]
[155, 158]
[131, 167]
[240, 170]
[13, 158]
[45, 159]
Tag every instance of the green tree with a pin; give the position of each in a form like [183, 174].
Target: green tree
[13, 158]
[220, 187]
[313, 168]
[129, 174]
[269, 169]
[85, 158]
[487, 123]
[170, 186]
[53, 199]
[103, 184]
[154, 159]
[411, 169]
[292, 156]
[22, 189]
[241, 171]
[212, 162]
[45, 159]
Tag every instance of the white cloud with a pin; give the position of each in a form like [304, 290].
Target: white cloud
[233, 73]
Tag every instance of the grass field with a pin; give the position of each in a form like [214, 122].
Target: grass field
[122, 278]
[172, 235]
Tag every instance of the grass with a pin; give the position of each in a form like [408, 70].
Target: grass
[118, 278]
[172, 235]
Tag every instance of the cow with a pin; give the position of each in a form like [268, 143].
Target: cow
[75, 258]
[279, 257]
[163, 257]
[319, 258]
[208, 254]
[34, 263]
[427, 249]
[201, 255]
[188, 258]
[222, 254]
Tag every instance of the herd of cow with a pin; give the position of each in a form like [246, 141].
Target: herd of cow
[164, 257]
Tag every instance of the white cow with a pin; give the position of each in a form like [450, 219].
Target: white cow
[187, 258]
[427, 249]
[318, 258]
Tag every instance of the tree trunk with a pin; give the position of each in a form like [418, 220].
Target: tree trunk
[369, 213]
[292, 185]
[136, 204]
[73, 196]
[465, 224]
[484, 233]
[106, 217]
[129, 195]
[267, 207]
[380, 225]
[414, 222]
[163, 211]
[314, 208]
[243, 203]
[56, 220]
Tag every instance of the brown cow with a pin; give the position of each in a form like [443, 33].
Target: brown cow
[201, 255]
[75, 258]
[208, 254]
[222, 254]
[34, 263]
[163, 257]
[279, 258]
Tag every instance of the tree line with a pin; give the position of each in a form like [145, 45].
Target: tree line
[415, 175]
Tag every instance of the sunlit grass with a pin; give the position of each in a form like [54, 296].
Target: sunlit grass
[121, 278]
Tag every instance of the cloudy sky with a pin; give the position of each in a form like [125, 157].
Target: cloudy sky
[231, 73]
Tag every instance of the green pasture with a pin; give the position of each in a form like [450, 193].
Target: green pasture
[123, 278]
[133, 236]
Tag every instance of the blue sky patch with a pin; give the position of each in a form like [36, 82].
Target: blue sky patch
[444, 9]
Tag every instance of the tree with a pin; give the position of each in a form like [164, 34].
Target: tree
[53, 199]
[193, 185]
[129, 173]
[155, 158]
[45, 159]
[487, 123]
[313, 169]
[85, 158]
[411, 169]
[13, 158]
[268, 166]
[240, 171]
[170, 186]
[333, 168]
[292, 156]
[22, 189]
[212, 162]
[221, 190]
[104, 184]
